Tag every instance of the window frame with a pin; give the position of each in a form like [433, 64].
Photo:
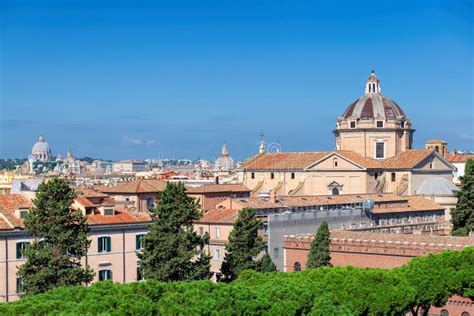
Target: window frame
[20, 249]
[217, 232]
[377, 124]
[107, 273]
[104, 247]
[377, 143]
[351, 123]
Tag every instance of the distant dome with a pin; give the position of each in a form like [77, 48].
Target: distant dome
[225, 162]
[434, 185]
[373, 104]
[41, 150]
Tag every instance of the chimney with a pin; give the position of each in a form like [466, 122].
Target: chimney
[272, 196]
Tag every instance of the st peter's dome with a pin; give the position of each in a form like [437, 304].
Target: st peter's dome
[41, 150]
[225, 163]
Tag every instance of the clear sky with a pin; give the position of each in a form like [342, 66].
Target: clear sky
[131, 79]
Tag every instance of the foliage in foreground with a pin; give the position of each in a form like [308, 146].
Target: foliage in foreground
[322, 291]
[319, 254]
[462, 216]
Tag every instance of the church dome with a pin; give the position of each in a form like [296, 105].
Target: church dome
[41, 150]
[225, 163]
[373, 105]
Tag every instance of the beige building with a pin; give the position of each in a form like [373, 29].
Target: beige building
[209, 195]
[373, 155]
[139, 195]
[6, 179]
[115, 239]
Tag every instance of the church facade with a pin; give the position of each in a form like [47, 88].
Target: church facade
[373, 154]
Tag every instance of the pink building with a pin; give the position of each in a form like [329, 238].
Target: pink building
[115, 239]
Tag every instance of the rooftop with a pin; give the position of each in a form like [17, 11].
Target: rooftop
[215, 188]
[136, 186]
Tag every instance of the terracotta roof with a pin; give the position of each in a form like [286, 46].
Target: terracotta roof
[386, 237]
[4, 224]
[301, 160]
[211, 188]
[459, 158]
[9, 203]
[413, 204]
[89, 203]
[410, 203]
[120, 217]
[136, 186]
[220, 216]
[359, 159]
[276, 161]
[89, 192]
[407, 159]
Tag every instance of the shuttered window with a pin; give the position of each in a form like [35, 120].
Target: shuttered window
[105, 275]
[104, 244]
[139, 241]
[20, 249]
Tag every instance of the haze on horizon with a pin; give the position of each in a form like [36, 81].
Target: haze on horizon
[120, 80]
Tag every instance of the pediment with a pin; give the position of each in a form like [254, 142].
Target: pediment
[328, 163]
[438, 161]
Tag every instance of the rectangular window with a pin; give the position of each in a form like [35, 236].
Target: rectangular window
[272, 175]
[105, 275]
[252, 175]
[104, 244]
[139, 241]
[19, 285]
[265, 229]
[20, 249]
[217, 254]
[379, 124]
[353, 124]
[217, 232]
[379, 150]
[292, 175]
[201, 231]
[23, 214]
[276, 253]
[139, 272]
[393, 177]
[108, 211]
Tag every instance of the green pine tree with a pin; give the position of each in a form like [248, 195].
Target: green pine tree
[243, 247]
[462, 216]
[265, 264]
[59, 241]
[172, 251]
[319, 254]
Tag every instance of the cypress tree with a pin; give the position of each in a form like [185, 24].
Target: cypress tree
[243, 246]
[265, 264]
[319, 255]
[59, 241]
[172, 250]
[462, 216]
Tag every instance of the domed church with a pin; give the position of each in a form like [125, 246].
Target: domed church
[373, 154]
[41, 150]
[374, 125]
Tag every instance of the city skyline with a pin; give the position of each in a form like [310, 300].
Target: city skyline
[128, 82]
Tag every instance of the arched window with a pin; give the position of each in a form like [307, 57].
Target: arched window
[437, 149]
[335, 162]
[335, 191]
[297, 266]
[444, 312]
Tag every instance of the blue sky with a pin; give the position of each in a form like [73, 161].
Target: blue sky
[142, 79]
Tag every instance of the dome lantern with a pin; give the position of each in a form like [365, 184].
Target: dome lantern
[372, 85]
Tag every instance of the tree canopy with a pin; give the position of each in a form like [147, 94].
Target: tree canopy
[172, 250]
[319, 255]
[59, 241]
[322, 291]
[243, 247]
[462, 216]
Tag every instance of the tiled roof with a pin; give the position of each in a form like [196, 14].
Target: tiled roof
[89, 203]
[459, 158]
[214, 188]
[4, 224]
[220, 216]
[388, 237]
[407, 159]
[9, 203]
[89, 192]
[301, 160]
[120, 217]
[410, 203]
[413, 204]
[278, 161]
[359, 159]
[136, 186]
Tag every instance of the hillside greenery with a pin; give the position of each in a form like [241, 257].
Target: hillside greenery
[424, 281]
